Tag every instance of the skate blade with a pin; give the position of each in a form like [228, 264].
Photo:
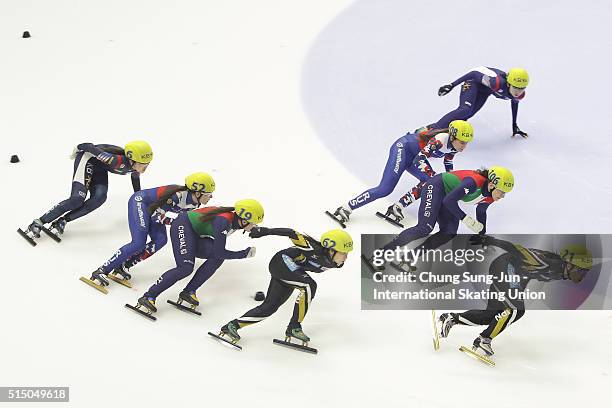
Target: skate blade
[94, 285]
[184, 308]
[370, 266]
[436, 336]
[26, 237]
[343, 225]
[51, 235]
[477, 356]
[390, 220]
[293, 346]
[140, 312]
[225, 341]
[119, 280]
[398, 267]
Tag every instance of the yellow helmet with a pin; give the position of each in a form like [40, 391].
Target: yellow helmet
[249, 210]
[577, 255]
[139, 151]
[202, 182]
[338, 240]
[461, 130]
[502, 178]
[518, 78]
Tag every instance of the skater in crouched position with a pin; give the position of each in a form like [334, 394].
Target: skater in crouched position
[149, 211]
[289, 269]
[92, 163]
[476, 87]
[202, 233]
[440, 198]
[411, 153]
[572, 262]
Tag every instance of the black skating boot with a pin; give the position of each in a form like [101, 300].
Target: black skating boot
[99, 277]
[296, 333]
[34, 228]
[58, 226]
[189, 297]
[447, 321]
[484, 344]
[148, 303]
[231, 330]
[122, 271]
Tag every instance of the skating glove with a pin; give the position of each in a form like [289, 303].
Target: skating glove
[258, 232]
[251, 252]
[74, 153]
[472, 224]
[518, 132]
[444, 89]
[164, 218]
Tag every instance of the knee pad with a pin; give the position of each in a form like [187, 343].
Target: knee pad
[74, 202]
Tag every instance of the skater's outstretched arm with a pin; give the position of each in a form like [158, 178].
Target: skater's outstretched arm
[221, 227]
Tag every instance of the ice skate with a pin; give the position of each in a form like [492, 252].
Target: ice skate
[296, 333]
[370, 264]
[480, 344]
[32, 231]
[393, 215]
[447, 321]
[145, 307]
[230, 330]
[484, 344]
[190, 299]
[341, 215]
[121, 276]
[97, 280]
[58, 226]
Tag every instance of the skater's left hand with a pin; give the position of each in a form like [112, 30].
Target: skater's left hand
[162, 219]
[518, 132]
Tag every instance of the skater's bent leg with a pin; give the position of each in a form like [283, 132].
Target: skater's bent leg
[308, 288]
[277, 294]
[501, 320]
[431, 200]
[98, 193]
[183, 240]
[204, 272]
[396, 164]
[138, 222]
[467, 104]
[76, 200]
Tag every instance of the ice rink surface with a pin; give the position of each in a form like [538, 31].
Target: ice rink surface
[294, 104]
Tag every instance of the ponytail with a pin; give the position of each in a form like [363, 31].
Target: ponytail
[425, 137]
[213, 213]
[167, 194]
[483, 171]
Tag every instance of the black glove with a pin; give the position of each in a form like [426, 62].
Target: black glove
[258, 232]
[479, 239]
[516, 131]
[444, 89]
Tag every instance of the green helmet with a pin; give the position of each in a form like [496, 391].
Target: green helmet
[338, 240]
[461, 130]
[577, 255]
[249, 210]
[200, 182]
[518, 78]
[139, 151]
[502, 178]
